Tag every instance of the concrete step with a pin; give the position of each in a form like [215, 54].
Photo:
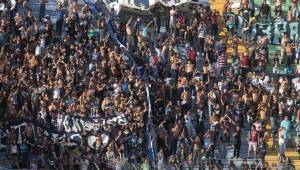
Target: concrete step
[272, 155]
[295, 162]
[218, 7]
[5, 163]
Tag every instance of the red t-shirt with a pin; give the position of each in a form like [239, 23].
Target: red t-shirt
[253, 136]
[192, 55]
[155, 60]
[214, 19]
[245, 61]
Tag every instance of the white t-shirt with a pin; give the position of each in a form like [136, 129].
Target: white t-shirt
[38, 50]
[280, 141]
[14, 149]
[201, 32]
[56, 94]
[220, 85]
[43, 114]
[296, 83]
[84, 164]
[172, 12]
[43, 41]
[59, 121]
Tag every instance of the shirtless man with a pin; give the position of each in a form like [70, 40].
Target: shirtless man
[298, 69]
[212, 99]
[244, 4]
[255, 97]
[278, 3]
[189, 69]
[263, 42]
[172, 23]
[289, 54]
[265, 99]
[278, 7]
[283, 43]
[262, 108]
[74, 10]
[84, 11]
[130, 39]
[246, 98]
[29, 133]
[18, 22]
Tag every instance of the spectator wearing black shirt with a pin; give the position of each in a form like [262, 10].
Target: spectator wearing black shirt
[237, 142]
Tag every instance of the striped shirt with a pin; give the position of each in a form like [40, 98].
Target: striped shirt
[201, 32]
[222, 60]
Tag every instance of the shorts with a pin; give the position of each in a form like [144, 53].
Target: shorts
[252, 145]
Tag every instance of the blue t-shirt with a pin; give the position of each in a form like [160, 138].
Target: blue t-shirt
[125, 87]
[23, 148]
[59, 15]
[145, 32]
[286, 124]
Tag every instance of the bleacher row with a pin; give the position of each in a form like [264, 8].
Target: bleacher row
[273, 30]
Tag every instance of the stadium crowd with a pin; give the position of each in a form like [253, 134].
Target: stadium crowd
[202, 99]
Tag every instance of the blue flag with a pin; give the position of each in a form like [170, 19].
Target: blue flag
[150, 132]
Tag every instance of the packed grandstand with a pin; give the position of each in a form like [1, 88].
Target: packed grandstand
[160, 85]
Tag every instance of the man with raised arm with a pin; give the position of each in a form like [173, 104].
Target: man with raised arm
[130, 39]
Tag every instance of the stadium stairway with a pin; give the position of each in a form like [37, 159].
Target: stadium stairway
[291, 152]
[5, 163]
[243, 150]
[223, 33]
[227, 155]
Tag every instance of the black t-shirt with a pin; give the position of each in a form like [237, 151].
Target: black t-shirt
[274, 110]
[237, 138]
[189, 36]
[160, 105]
[71, 28]
[30, 20]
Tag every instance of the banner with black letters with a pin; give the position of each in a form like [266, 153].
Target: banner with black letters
[72, 128]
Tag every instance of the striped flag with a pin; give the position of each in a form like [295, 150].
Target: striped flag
[150, 132]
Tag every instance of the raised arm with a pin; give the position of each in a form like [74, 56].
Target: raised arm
[149, 24]
[129, 22]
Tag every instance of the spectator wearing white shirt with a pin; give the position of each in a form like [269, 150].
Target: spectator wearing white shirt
[84, 164]
[201, 36]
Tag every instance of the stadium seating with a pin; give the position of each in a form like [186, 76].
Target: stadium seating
[273, 32]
